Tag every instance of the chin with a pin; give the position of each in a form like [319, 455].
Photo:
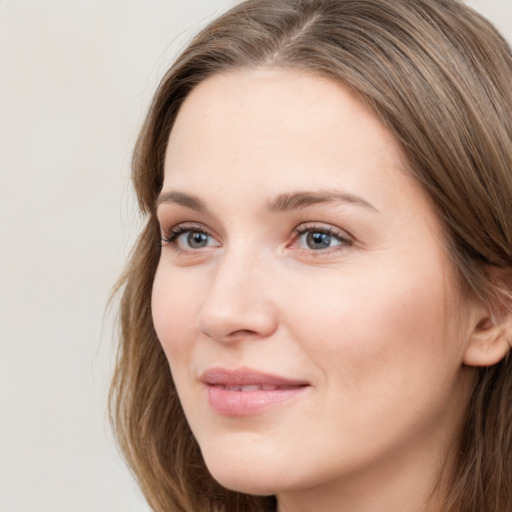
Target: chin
[247, 477]
[242, 485]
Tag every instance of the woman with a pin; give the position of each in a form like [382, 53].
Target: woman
[317, 313]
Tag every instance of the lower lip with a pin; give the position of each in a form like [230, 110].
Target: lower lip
[248, 403]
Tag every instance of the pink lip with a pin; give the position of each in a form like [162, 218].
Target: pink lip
[245, 392]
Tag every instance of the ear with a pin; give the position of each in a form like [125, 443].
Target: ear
[490, 340]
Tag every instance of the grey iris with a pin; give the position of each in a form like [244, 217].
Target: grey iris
[197, 240]
[318, 240]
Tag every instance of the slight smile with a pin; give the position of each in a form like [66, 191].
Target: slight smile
[246, 392]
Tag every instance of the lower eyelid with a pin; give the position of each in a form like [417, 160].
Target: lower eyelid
[170, 237]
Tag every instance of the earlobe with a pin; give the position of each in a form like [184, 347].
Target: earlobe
[490, 341]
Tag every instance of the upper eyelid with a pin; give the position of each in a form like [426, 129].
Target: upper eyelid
[186, 226]
[171, 236]
[304, 226]
[321, 226]
[167, 222]
[176, 213]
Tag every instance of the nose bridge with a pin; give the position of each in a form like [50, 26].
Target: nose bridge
[238, 301]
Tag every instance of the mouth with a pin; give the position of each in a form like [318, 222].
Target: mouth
[253, 387]
[246, 392]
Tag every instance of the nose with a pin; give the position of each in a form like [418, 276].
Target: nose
[238, 304]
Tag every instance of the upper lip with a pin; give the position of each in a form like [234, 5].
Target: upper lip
[218, 376]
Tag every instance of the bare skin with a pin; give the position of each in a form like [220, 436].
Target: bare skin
[296, 244]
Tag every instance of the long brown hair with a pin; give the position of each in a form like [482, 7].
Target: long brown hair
[439, 77]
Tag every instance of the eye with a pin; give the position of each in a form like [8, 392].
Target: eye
[194, 239]
[316, 238]
[189, 238]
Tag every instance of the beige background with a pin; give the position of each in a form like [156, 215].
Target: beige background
[75, 80]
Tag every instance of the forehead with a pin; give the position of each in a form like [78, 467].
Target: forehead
[279, 125]
[259, 101]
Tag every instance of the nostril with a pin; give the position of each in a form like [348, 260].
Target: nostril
[242, 334]
[228, 317]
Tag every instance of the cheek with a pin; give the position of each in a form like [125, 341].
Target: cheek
[388, 359]
[174, 306]
[379, 326]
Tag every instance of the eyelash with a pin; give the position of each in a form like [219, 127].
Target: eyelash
[171, 238]
[344, 241]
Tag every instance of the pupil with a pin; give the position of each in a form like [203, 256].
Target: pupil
[317, 240]
[197, 240]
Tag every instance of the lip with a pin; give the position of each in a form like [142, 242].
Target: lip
[246, 392]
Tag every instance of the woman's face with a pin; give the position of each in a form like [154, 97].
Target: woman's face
[303, 297]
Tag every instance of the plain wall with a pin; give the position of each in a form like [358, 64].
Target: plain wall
[75, 81]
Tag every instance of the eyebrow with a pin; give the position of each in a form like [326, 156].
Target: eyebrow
[192, 202]
[281, 203]
[299, 200]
